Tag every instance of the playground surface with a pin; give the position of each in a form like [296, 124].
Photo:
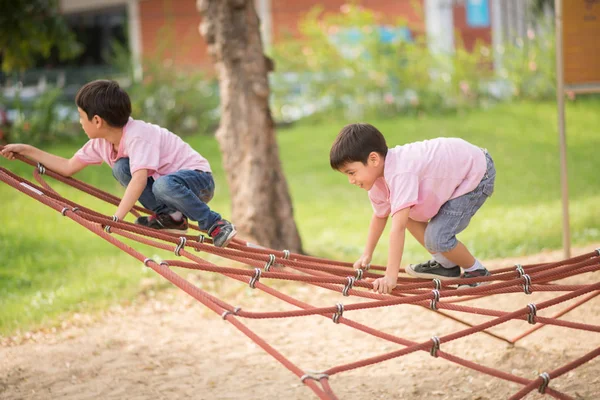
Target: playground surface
[168, 346]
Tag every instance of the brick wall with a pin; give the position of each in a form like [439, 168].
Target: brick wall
[171, 28]
[286, 14]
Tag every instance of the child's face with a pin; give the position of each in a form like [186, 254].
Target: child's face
[89, 127]
[364, 175]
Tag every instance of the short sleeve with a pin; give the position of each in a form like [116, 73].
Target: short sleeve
[404, 191]
[379, 197]
[90, 153]
[143, 155]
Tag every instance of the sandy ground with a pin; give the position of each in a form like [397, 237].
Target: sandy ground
[169, 346]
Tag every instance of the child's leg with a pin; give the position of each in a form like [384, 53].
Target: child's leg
[417, 229]
[188, 191]
[454, 216]
[122, 174]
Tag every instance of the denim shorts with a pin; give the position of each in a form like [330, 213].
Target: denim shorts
[454, 215]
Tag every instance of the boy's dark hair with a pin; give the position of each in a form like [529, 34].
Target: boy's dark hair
[105, 99]
[354, 143]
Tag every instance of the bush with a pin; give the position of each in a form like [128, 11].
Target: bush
[45, 119]
[182, 101]
[343, 65]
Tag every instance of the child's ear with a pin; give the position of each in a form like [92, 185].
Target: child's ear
[374, 158]
[98, 121]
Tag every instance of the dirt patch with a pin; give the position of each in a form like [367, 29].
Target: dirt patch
[171, 347]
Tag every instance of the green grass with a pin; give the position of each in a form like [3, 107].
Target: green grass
[51, 267]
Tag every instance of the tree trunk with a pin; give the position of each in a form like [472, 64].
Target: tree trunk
[261, 205]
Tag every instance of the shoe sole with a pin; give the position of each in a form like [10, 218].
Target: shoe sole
[229, 237]
[464, 285]
[410, 271]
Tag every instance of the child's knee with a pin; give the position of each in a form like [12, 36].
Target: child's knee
[162, 187]
[121, 171]
[438, 242]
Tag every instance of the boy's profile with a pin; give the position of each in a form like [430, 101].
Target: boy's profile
[430, 188]
[156, 166]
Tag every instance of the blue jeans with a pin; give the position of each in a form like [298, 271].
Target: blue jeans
[454, 215]
[186, 191]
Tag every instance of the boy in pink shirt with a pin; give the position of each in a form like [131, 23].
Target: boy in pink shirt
[430, 188]
[156, 166]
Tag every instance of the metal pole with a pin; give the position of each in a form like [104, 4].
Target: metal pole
[560, 99]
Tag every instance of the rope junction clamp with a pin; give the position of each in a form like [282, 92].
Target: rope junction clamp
[314, 375]
[526, 287]
[180, 246]
[286, 254]
[435, 347]
[147, 260]
[166, 264]
[338, 313]
[546, 380]
[227, 312]
[107, 227]
[437, 284]
[520, 270]
[349, 285]
[255, 278]
[269, 263]
[435, 299]
[200, 240]
[532, 313]
[64, 211]
[41, 168]
[359, 274]
[598, 251]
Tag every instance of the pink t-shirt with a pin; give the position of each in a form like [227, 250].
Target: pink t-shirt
[424, 175]
[148, 146]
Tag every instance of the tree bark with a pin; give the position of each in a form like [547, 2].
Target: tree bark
[261, 205]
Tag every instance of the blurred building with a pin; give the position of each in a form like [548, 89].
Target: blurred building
[171, 26]
[168, 30]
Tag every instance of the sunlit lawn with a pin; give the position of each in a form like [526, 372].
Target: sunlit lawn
[51, 267]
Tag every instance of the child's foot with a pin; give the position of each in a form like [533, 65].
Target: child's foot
[478, 273]
[432, 270]
[163, 222]
[222, 232]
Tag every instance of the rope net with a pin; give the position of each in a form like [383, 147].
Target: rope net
[263, 268]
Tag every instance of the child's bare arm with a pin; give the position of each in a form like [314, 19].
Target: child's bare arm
[60, 165]
[376, 227]
[397, 236]
[136, 186]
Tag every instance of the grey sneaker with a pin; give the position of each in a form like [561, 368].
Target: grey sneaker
[478, 273]
[432, 270]
[222, 232]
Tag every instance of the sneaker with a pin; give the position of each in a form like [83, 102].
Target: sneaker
[432, 270]
[163, 222]
[478, 273]
[222, 232]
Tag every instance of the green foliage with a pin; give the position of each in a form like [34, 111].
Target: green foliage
[45, 119]
[529, 64]
[184, 102]
[369, 74]
[32, 28]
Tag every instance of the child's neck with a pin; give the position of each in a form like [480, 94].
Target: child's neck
[113, 135]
